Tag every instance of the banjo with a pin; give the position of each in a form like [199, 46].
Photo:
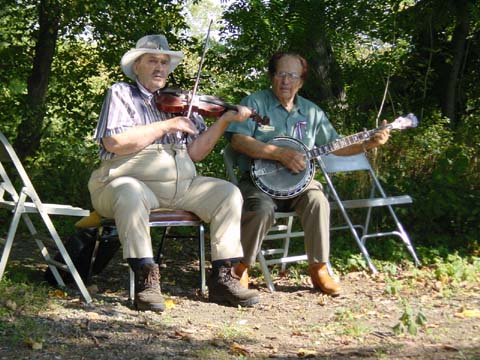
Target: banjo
[277, 181]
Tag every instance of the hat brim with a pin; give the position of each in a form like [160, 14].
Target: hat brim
[133, 54]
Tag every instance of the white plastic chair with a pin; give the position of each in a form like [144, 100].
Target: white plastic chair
[26, 201]
[331, 165]
[280, 230]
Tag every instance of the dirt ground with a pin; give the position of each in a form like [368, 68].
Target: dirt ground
[292, 322]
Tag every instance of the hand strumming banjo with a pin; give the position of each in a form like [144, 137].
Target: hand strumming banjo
[275, 180]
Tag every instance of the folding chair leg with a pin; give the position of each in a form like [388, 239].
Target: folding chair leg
[359, 241]
[159, 257]
[66, 257]
[18, 213]
[131, 292]
[365, 253]
[43, 250]
[286, 241]
[8, 243]
[201, 251]
[405, 238]
[265, 271]
[410, 248]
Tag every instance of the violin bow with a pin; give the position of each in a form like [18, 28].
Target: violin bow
[195, 87]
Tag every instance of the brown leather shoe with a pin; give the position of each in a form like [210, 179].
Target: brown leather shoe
[322, 280]
[241, 270]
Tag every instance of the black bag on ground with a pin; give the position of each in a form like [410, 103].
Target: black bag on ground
[80, 247]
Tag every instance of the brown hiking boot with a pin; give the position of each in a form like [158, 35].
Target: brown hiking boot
[241, 270]
[322, 280]
[224, 287]
[148, 295]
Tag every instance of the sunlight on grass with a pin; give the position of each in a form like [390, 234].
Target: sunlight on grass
[233, 332]
[356, 330]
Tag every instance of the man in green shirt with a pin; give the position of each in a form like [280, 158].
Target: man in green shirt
[295, 116]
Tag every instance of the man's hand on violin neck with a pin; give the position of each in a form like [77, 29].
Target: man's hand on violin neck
[242, 114]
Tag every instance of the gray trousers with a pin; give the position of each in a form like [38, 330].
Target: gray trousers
[127, 187]
[311, 206]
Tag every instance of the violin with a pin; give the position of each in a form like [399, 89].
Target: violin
[178, 101]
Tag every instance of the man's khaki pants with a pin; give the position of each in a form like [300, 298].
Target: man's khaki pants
[126, 188]
[311, 206]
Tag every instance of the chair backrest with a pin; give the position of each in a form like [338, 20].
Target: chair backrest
[229, 159]
[333, 163]
[8, 154]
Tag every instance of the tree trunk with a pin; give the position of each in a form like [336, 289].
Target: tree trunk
[31, 128]
[325, 82]
[459, 40]
[325, 72]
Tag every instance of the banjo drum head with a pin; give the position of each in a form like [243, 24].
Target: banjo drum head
[276, 180]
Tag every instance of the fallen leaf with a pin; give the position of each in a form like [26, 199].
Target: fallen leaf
[169, 304]
[468, 314]
[179, 334]
[449, 347]
[238, 349]
[305, 353]
[298, 333]
[57, 293]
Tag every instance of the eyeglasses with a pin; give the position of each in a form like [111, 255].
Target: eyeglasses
[290, 75]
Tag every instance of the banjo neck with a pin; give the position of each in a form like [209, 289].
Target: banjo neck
[342, 143]
[279, 182]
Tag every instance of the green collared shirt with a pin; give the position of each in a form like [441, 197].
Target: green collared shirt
[306, 122]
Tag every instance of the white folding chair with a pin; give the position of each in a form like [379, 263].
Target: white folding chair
[166, 219]
[377, 198]
[281, 230]
[18, 204]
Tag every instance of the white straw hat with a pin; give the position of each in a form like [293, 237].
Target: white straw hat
[150, 44]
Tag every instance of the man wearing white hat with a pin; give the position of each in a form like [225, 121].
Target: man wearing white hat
[145, 165]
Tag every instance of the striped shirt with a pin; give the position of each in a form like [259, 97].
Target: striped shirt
[126, 106]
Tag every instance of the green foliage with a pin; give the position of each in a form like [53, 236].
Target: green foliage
[442, 177]
[353, 47]
[409, 321]
[456, 269]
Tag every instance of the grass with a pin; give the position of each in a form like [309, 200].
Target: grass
[20, 301]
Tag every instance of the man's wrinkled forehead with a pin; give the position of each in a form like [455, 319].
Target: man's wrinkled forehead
[147, 56]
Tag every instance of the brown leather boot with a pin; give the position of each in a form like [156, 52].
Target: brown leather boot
[241, 270]
[224, 287]
[148, 295]
[322, 280]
